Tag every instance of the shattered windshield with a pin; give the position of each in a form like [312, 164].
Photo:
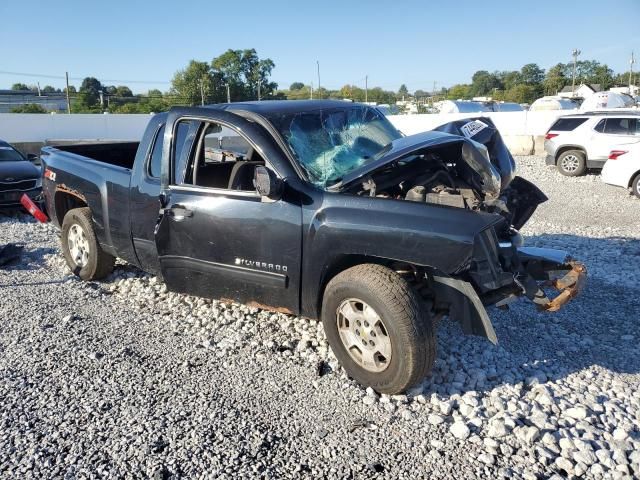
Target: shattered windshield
[330, 143]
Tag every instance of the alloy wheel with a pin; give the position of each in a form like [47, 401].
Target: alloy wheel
[364, 335]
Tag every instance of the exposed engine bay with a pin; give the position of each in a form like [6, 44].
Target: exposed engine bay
[471, 173]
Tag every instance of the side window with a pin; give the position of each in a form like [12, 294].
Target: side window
[155, 161]
[568, 124]
[182, 145]
[600, 126]
[222, 158]
[635, 127]
[618, 126]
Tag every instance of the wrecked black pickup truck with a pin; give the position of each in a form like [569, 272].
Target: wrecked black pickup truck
[320, 209]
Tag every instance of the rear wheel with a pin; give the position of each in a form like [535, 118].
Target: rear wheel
[572, 163]
[379, 328]
[635, 186]
[80, 246]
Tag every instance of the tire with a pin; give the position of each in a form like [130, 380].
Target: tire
[83, 253]
[572, 163]
[635, 186]
[400, 327]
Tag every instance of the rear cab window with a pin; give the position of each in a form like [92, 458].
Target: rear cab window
[567, 124]
[155, 159]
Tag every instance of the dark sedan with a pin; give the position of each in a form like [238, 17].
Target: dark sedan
[18, 176]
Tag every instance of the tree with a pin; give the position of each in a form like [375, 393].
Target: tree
[421, 94]
[532, 74]
[154, 92]
[555, 79]
[194, 84]
[603, 76]
[123, 91]
[50, 89]
[522, 93]
[483, 83]
[29, 108]
[245, 74]
[403, 91]
[72, 89]
[459, 91]
[19, 86]
[303, 93]
[296, 86]
[510, 79]
[90, 91]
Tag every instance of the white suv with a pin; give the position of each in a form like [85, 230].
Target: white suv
[577, 142]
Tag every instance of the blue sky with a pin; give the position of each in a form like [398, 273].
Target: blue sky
[411, 42]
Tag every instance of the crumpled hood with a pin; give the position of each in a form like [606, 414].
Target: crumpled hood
[18, 170]
[482, 149]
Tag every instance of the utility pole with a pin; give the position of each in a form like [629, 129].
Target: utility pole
[631, 62]
[228, 94]
[201, 92]
[101, 93]
[366, 88]
[318, 64]
[68, 101]
[311, 92]
[433, 93]
[39, 93]
[259, 90]
[575, 54]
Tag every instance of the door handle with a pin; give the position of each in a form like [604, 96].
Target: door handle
[178, 212]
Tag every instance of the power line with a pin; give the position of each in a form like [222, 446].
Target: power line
[62, 77]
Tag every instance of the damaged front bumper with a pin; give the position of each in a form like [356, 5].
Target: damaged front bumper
[533, 271]
[555, 269]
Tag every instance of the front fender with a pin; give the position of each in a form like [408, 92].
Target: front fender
[426, 235]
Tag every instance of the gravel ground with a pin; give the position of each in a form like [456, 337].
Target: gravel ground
[123, 379]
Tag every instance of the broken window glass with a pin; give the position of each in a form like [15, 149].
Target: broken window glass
[330, 143]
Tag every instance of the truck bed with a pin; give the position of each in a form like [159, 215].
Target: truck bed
[121, 154]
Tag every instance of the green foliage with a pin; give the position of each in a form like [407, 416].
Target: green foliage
[403, 92]
[20, 87]
[459, 91]
[194, 84]
[483, 83]
[246, 75]
[49, 89]
[29, 108]
[123, 91]
[90, 91]
[531, 74]
[522, 93]
[555, 80]
[296, 86]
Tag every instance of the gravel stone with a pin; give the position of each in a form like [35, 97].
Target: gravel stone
[459, 430]
[435, 419]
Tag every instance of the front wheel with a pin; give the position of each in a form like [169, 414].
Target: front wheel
[379, 328]
[572, 163]
[80, 246]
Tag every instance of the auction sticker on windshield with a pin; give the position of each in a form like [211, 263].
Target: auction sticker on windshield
[471, 128]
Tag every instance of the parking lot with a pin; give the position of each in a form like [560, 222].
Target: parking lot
[121, 378]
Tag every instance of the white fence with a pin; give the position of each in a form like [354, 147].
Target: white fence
[37, 127]
[509, 123]
[522, 130]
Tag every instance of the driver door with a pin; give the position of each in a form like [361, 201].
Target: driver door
[216, 237]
